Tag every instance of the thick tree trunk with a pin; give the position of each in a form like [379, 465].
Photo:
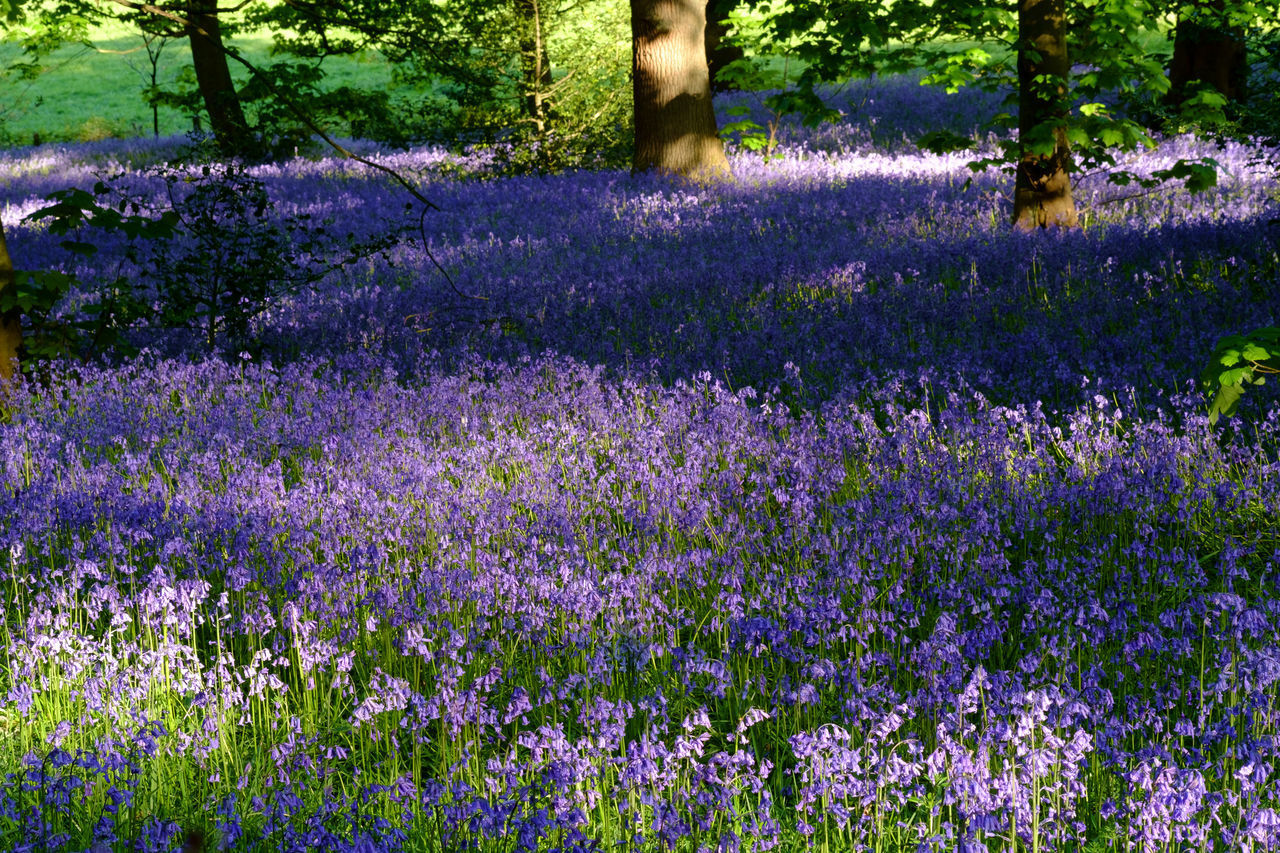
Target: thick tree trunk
[535, 63]
[10, 322]
[1208, 49]
[675, 124]
[213, 78]
[1042, 188]
[719, 52]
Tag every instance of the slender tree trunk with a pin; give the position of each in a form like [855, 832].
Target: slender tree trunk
[10, 321]
[213, 78]
[1208, 49]
[155, 47]
[535, 63]
[1042, 188]
[675, 124]
[719, 52]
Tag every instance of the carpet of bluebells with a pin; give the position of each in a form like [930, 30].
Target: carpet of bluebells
[816, 510]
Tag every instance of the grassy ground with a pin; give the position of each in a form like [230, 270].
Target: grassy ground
[88, 92]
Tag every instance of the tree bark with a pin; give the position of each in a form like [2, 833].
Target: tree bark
[10, 321]
[719, 52]
[1207, 48]
[535, 63]
[671, 87]
[1042, 187]
[213, 78]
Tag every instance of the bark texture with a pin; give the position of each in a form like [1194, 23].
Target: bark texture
[1208, 49]
[213, 78]
[675, 124]
[535, 63]
[10, 321]
[1042, 189]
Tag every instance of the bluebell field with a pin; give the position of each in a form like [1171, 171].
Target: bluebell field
[815, 510]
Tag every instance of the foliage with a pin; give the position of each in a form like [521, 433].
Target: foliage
[480, 58]
[1255, 116]
[210, 259]
[766, 66]
[360, 106]
[1238, 362]
[96, 327]
[960, 45]
[72, 86]
[372, 114]
[1260, 117]
[97, 324]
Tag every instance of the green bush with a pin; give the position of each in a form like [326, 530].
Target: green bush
[210, 259]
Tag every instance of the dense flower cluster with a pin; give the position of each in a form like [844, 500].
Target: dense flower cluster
[813, 510]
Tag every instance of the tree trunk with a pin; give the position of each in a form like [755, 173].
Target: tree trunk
[675, 124]
[213, 78]
[719, 52]
[1042, 188]
[10, 321]
[1208, 49]
[535, 63]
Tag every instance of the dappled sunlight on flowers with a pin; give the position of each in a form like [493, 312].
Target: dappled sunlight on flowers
[816, 508]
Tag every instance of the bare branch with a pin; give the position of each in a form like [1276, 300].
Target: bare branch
[160, 12]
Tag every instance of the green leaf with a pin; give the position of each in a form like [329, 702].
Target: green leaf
[1197, 175]
[1239, 361]
[1254, 352]
[1111, 137]
[1202, 178]
[79, 247]
[35, 291]
[1079, 137]
[944, 142]
[1225, 402]
[1236, 376]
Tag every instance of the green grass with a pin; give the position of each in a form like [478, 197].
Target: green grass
[93, 92]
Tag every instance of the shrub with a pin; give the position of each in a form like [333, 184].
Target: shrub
[210, 257]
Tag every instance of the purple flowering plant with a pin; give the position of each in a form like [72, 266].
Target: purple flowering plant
[815, 510]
